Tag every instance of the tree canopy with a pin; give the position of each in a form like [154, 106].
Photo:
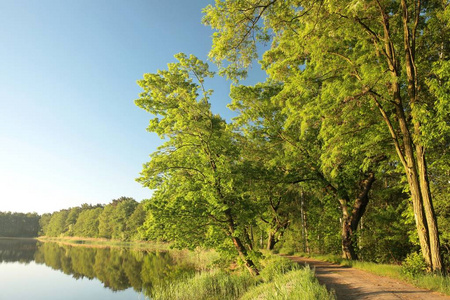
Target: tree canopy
[363, 57]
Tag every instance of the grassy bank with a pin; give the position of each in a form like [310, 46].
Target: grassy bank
[436, 283]
[280, 279]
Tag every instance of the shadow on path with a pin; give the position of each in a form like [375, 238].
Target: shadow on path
[350, 284]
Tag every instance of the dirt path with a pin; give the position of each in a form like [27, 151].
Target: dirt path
[352, 284]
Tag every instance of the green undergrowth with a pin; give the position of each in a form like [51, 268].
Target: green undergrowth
[296, 284]
[279, 279]
[411, 272]
[215, 284]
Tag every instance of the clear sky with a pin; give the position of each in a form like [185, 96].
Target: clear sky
[69, 130]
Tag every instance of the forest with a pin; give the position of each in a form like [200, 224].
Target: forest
[344, 149]
[19, 224]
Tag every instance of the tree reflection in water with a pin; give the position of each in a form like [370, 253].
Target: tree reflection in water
[117, 268]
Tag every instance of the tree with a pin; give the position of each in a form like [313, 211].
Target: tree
[135, 221]
[56, 226]
[370, 53]
[43, 223]
[105, 222]
[288, 136]
[197, 173]
[124, 207]
[19, 224]
[72, 217]
[88, 221]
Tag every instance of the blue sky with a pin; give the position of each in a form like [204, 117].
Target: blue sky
[70, 132]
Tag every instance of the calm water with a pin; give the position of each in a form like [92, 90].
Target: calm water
[36, 270]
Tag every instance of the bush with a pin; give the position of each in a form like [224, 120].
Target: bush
[414, 265]
[276, 265]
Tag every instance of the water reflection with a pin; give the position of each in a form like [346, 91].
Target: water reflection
[117, 268]
[17, 250]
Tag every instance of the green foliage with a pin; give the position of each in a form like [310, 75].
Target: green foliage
[118, 220]
[105, 224]
[206, 285]
[197, 175]
[135, 221]
[280, 279]
[87, 222]
[337, 66]
[19, 224]
[322, 226]
[274, 266]
[414, 265]
[297, 284]
[56, 225]
[387, 232]
[72, 217]
[117, 268]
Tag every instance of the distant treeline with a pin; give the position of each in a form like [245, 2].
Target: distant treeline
[19, 224]
[118, 220]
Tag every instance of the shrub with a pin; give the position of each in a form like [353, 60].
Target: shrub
[414, 265]
[276, 265]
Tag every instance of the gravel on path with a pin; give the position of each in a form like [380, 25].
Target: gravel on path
[350, 284]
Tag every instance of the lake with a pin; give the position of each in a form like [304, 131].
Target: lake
[30, 269]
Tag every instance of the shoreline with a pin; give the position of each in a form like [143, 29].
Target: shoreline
[105, 243]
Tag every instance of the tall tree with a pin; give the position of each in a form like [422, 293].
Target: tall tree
[299, 138]
[56, 225]
[88, 221]
[19, 224]
[374, 53]
[124, 208]
[197, 173]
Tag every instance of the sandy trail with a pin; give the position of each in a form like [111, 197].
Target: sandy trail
[349, 283]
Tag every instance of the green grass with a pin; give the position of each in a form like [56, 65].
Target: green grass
[296, 284]
[432, 282]
[280, 279]
[215, 284]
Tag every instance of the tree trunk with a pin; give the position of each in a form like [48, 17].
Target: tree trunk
[348, 250]
[350, 221]
[253, 270]
[271, 241]
[242, 251]
[304, 226]
[406, 156]
[248, 237]
[430, 215]
[412, 156]
[276, 232]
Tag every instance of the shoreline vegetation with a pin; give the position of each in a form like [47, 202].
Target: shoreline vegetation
[103, 242]
[216, 280]
[211, 275]
[280, 278]
[342, 149]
